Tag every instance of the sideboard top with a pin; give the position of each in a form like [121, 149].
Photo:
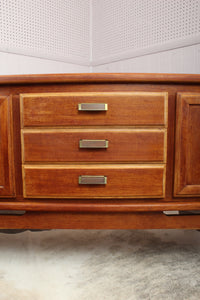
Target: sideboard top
[100, 78]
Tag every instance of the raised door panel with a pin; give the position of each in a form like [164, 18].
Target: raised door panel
[6, 149]
[187, 151]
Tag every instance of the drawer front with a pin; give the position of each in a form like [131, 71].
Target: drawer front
[94, 108]
[103, 181]
[89, 145]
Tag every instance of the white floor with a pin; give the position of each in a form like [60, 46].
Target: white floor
[97, 264]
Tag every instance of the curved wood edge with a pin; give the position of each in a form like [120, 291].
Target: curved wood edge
[100, 207]
[100, 78]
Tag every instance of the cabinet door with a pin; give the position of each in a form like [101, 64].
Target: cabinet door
[187, 150]
[6, 149]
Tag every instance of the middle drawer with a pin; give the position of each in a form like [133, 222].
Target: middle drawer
[93, 145]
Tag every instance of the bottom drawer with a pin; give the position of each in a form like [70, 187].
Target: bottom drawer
[94, 181]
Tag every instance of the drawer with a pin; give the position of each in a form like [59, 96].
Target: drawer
[89, 145]
[94, 181]
[94, 108]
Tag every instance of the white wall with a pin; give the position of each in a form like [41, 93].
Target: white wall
[124, 29]
[146, 36]
[45, 36]
[57, 30]
[99, 36]
[181, 60]
[11, 64]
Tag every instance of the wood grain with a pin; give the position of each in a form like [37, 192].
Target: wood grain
[100, 78]
[61, 109]
[187, 159]
[7, 184]
[64, 220]
[124, 145]
[124, 181]
[100, 212]
[103, 206]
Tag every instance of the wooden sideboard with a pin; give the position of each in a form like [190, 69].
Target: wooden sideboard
[100, 151]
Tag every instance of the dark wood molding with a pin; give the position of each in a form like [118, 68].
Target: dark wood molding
[100, 78]
[102, 206]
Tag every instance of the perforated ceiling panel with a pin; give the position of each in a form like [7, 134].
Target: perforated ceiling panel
[97, 30]
[55, 29]
[130, 26]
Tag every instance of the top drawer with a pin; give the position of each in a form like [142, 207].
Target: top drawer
[116, 108]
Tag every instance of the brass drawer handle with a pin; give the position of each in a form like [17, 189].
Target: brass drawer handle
[85, 179]
[92, 106]
[102, 144]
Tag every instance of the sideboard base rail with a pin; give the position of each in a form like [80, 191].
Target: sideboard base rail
[66, 220]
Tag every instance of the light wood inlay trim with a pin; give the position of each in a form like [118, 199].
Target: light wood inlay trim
[21, 110]
[50, 163]
[94, 166]
[23, 180]
[96, 127]
[101, 94]
[83, 129]
[22, 146]
[164, 180]
[166, 109]
[165, 147]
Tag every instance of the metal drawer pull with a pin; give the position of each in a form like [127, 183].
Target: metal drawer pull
[93, 144]
[92, 106]
[85, 179]
[181, 212]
